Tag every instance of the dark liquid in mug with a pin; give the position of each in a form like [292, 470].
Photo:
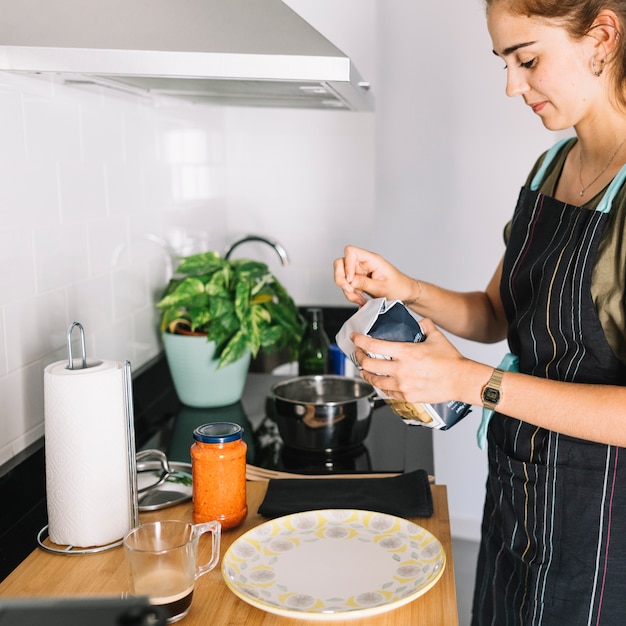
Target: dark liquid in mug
[174, 606]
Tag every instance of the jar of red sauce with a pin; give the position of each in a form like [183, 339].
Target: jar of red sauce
[218, 469]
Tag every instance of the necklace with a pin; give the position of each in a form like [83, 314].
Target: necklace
[584, 188]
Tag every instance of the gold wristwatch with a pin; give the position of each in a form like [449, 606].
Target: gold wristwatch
[492, 392]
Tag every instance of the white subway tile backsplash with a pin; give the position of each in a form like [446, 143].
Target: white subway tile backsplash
[100, 191]
[29, 194]
[22, 405]
[17, 266]
[151, 254]
[82, 191]
[90, 302]
[27, 400]
[12, 146]
[108, 245]
[3, 351]
[115, 341]
[34, 328]
[190, 182]
[187, 146]
[145, 327]
[140, 134]
[52, 129]
[157, 186]
[102, 127]
[61, 255]
[130, 291]
[124, 185]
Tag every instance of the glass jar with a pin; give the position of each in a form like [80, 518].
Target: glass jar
[218, 469]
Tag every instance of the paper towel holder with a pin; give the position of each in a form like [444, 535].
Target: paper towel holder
[70, 357]
[132, 461]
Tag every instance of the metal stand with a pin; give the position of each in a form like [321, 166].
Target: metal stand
[131, 454]
[72, 549]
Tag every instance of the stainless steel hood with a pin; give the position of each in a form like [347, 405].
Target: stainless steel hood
[245, 52]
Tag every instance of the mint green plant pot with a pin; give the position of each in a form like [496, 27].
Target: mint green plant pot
[197, 380]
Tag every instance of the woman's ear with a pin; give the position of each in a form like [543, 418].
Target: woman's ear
[606, 30]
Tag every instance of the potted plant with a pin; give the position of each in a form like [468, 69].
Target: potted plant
[215, 315]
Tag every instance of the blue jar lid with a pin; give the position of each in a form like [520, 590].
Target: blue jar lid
[218, 432]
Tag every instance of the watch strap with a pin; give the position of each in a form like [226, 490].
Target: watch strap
[509, 363]
[492, 391]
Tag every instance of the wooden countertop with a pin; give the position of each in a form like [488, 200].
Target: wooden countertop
[46, 574]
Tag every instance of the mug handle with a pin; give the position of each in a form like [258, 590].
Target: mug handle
[215, 528]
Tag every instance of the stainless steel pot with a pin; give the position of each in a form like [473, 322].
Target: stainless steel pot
[323, 413]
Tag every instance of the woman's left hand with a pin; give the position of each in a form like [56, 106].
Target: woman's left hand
[413, 372]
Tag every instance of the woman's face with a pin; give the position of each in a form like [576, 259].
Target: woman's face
[544, 65]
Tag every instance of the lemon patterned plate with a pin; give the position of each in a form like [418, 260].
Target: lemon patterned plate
[333, 564]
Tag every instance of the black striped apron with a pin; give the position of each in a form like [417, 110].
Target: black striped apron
[553, 549]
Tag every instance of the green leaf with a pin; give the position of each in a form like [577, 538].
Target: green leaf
[204, 263]
[187, 292]
[235, 349]
[263, 285]
[174, 282]
[242, 298]
[253, 270]
[199, 317]
[272, 337]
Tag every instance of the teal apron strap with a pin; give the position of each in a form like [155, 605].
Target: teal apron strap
[550, 154]
[611, 192]
[607, 200]
[510, 363]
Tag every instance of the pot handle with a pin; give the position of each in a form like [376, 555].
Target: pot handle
[377, 402]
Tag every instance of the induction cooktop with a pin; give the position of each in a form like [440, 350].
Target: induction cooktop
[390, 446]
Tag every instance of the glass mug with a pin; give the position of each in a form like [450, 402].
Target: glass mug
[162, 560]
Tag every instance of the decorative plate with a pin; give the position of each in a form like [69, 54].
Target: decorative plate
[333, 564]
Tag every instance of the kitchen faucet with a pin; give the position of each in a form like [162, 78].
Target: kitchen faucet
[280, 251]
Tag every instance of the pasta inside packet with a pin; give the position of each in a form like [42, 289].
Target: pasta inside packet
[393, 321]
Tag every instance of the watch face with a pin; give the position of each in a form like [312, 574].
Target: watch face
[491, 395]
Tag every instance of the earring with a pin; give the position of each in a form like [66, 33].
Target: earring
[596, 71]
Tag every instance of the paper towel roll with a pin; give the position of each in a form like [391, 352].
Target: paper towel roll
[87, 454]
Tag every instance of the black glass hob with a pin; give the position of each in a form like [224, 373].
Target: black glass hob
[390, 446]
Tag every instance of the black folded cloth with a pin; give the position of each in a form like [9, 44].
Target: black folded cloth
[406, 495]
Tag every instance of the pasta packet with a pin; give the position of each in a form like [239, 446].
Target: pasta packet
[393, 321]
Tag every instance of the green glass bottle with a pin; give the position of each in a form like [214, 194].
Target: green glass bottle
[314, 348]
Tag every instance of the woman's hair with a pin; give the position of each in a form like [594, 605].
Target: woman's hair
[577, 17]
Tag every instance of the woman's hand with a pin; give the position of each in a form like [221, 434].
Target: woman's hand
[431, 371]
[360, 272]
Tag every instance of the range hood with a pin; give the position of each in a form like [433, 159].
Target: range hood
[243, 52]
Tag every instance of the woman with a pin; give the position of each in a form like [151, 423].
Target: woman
[553, 547]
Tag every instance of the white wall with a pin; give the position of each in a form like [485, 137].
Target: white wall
[91, 182]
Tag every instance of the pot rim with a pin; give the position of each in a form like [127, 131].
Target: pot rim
[371, 392]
